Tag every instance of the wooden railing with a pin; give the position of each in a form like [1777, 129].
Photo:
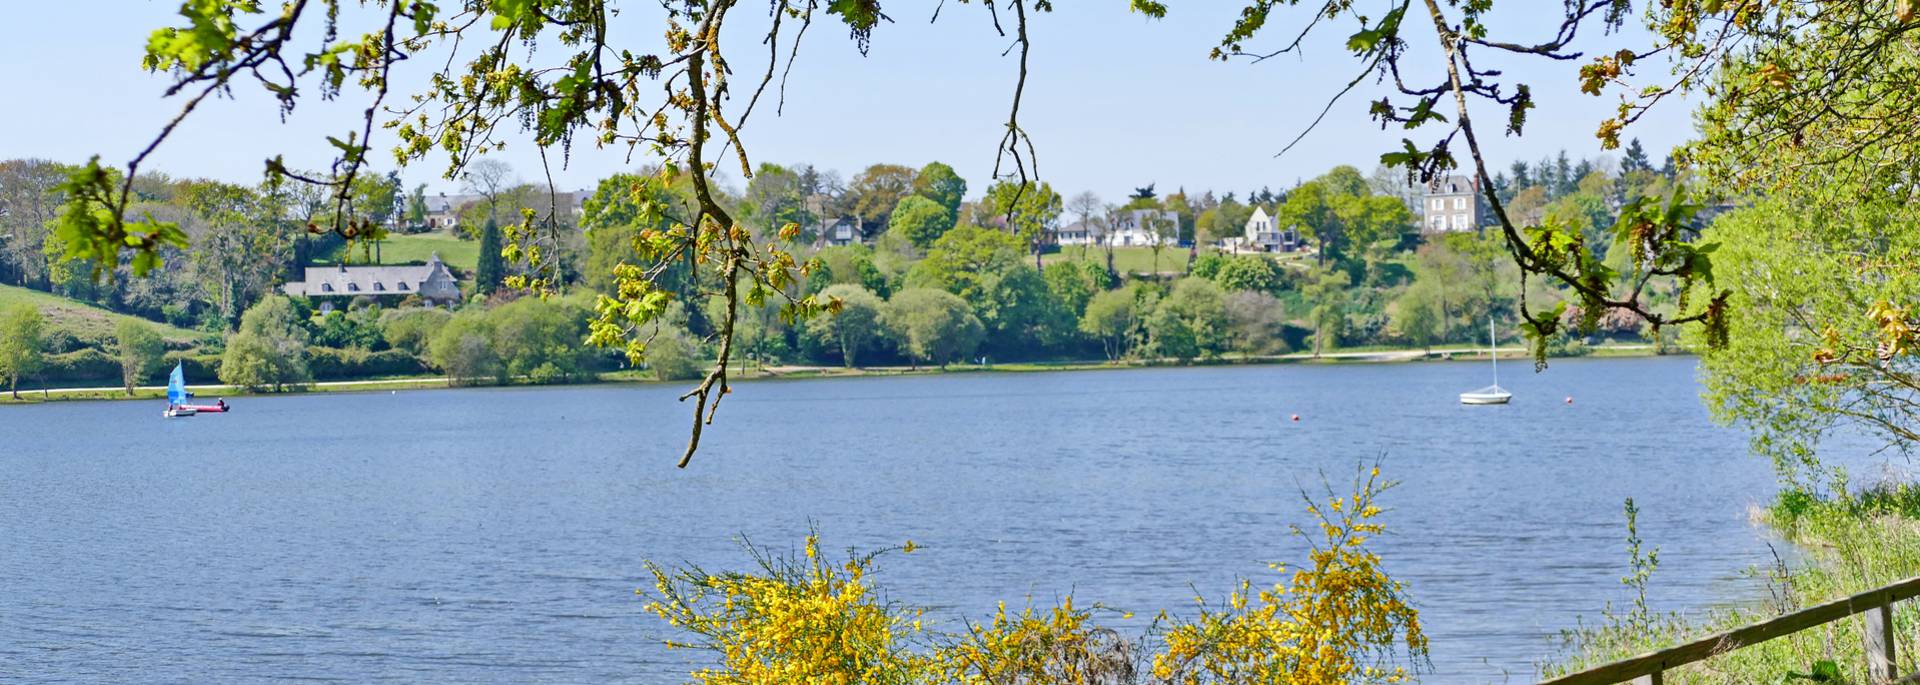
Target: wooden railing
[1877, 604]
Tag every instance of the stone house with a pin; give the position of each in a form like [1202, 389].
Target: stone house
[331, 287]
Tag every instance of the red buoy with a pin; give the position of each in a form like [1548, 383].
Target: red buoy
[1296, 417]
[1569, 399]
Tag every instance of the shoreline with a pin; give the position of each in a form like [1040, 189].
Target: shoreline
[810, 372]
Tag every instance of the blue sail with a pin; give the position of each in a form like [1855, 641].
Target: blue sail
[176, 386]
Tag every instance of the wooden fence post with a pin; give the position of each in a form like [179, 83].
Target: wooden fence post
[1881, 665]
[1653, 678]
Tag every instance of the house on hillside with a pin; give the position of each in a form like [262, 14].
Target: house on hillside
[330, 287]
[1453, 203]
[841, 232]
[1144, 228]
[1076, 233]
[443, 210]
[1264, 234]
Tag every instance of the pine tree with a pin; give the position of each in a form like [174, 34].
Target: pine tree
[1522, 176]
[1564, 181]
[1636, 158]
[486, 274]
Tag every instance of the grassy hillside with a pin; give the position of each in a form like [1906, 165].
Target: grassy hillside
[84, 321]
[401, 248]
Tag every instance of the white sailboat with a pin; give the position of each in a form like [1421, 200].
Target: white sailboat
[1492, 394]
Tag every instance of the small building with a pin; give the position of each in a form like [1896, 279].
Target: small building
[1453, 203]
[1144, 227]
[1264, 233]
[443, 210]
[329, 286]
[1076, 233]
[843, 231]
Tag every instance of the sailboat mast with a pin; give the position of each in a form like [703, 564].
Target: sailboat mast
[1493, 347]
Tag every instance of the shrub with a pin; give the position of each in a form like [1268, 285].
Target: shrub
[1257, 323]
[1339, 618]
[270, 349]
[140, 350]
[412, 329]
[193, 364]
[1190, 322]
[539, 339]
[1250, 272]
[674, 354]
[932, 326]
[329, 363]
[85, 365]
[463, 349]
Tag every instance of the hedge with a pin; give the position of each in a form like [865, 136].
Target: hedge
[328, 363]
[85, 365]
[199, 368]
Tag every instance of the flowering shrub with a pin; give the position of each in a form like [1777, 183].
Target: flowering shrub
[1061, 645]
[797, 621]
[1338, 619]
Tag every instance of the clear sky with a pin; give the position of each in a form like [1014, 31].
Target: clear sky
[1114, 100]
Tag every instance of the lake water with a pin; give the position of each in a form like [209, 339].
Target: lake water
[499, 535]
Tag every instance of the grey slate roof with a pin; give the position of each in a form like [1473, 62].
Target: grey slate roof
[343, 280]
[1451, 185]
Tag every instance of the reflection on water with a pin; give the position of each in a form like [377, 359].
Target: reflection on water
[498, 535]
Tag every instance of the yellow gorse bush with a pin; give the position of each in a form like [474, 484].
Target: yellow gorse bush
[1061, 645]
[1339, 618]
[805, 621]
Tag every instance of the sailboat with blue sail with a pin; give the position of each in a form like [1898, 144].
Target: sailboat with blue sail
[177, 394]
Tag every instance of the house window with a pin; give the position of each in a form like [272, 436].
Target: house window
[1459, 203]
[1460, 222]
[326, 287]
[403, 285]
[353, 287]
[379, 287]
[1439, 203]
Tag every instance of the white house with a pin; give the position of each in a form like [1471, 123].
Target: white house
[1264, 233]
[1144, 227]
[443, 210]
[1076, 233]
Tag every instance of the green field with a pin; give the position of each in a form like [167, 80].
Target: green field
[1137, 259]
[83, 320]
[400, 248]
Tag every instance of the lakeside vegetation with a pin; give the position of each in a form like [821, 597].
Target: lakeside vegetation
[941, 281]
[1802, 298]
[1851, 541]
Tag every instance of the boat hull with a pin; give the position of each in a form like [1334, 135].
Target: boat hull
[206, 408]
[1474, 398]
[178, 413]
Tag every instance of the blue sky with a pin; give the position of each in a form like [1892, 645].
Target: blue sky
[1114, 101]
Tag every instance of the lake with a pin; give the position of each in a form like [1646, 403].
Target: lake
[498, 535]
